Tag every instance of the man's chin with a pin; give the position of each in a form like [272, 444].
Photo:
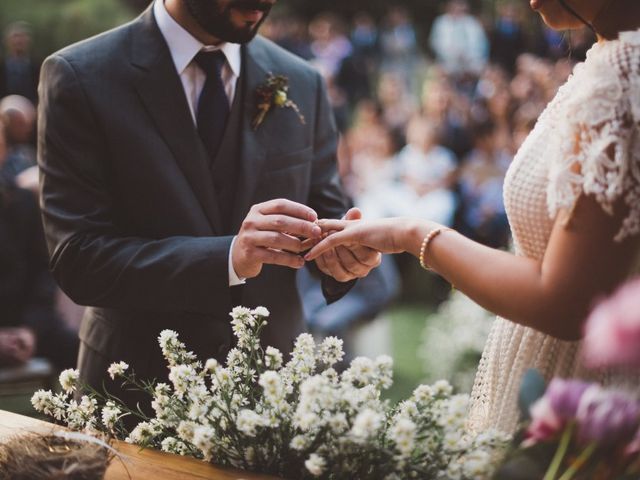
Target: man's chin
[235, 34]
[243, 25]
[241, 35]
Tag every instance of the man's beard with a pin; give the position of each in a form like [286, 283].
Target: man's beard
[216, 20]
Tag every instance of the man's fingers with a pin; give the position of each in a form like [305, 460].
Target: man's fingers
[337, 270]
[366, 255]
[284, 259]
[322, 266]
[276, 241]
[282, 206]
[290, 225]
[350, 263]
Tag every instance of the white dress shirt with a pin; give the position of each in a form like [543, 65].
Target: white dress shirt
[183, 48]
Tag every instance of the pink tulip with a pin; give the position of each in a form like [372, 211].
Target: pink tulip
[612, 332]
[545, 424]
[551, 414]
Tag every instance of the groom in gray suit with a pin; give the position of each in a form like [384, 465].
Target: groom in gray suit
[165, 203]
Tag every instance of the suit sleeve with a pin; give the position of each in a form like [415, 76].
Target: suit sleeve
[92, 259]
[327, 195]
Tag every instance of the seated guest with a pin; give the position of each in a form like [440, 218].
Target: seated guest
[19, 116]
[19, 72]
[459, 41]
[29, 325]
[427, 170]
[371, 176]
[447, 109]
[483, 216]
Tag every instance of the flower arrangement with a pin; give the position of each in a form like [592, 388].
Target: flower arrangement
[581, 430]
[295, 419]
[453, 340]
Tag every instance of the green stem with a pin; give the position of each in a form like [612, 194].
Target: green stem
[560, 453]
[579, 463]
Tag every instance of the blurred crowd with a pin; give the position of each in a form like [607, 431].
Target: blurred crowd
[429, 124]
[35, 318]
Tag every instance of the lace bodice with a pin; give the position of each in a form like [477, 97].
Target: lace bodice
[587, 140]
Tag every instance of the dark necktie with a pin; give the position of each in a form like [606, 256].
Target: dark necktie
[213, 104]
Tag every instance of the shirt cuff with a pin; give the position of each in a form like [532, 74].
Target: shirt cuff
[234, 279]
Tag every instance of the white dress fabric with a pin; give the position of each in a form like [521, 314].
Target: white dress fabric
[586, 141]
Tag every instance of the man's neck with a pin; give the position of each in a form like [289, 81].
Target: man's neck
[179, 12]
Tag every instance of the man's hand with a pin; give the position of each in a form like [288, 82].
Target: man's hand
[273, 233]
[348, 263]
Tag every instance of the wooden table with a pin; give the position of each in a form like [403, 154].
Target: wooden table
[140, 464]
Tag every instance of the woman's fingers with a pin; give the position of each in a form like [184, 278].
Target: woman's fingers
[353, 214]
[308, 244]
[333, 225]
[329, 243]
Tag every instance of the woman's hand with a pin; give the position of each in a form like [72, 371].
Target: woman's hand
[346, 263]
[389, 235]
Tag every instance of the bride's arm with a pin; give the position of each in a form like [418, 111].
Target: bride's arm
[554, 295]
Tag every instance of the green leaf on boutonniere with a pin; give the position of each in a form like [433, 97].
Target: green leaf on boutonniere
[273, 94]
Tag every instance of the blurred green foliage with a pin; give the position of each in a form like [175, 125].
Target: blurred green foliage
[57, 23]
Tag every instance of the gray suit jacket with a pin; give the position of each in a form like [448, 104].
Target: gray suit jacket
[129, 207]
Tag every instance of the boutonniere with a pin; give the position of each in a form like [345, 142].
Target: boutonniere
[273, 94]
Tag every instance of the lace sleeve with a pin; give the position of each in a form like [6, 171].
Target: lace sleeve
[602, 116]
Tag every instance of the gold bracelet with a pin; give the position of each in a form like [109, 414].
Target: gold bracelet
[425, 243]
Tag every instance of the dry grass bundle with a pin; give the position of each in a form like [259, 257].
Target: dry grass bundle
[50, 457]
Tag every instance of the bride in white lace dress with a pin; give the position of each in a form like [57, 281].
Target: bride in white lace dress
[572, 195]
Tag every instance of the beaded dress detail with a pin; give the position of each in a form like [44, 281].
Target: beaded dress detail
[586, 141]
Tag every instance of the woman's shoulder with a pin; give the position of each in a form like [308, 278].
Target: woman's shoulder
[621, 53]
[600, 145]
[618, 59]
[606, 87]
[626, 47]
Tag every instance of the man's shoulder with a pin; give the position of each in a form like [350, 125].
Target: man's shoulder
[281, 61]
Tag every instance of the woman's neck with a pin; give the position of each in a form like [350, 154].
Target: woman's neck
[617, 16]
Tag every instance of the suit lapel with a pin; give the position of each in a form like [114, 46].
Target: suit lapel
[253, 153]
[162, 94]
